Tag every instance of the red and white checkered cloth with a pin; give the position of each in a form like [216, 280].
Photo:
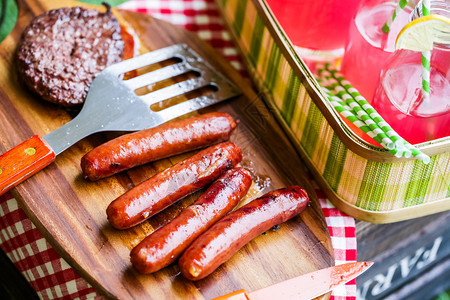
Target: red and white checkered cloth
[50, 275]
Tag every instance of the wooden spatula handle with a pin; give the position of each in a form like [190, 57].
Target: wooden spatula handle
[23, 161]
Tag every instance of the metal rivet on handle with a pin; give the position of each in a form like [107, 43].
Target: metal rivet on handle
[30, 151]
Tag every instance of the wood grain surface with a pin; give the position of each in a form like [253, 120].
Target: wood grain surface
[70, 211]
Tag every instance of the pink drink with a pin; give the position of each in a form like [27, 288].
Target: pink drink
[368, 48]
[399, 100]
[315, 24]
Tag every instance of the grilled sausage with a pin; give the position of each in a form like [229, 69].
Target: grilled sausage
[233, 231]
[172, 184]
[151, 144]
[163, 246]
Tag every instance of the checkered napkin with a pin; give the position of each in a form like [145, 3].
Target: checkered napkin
[49, 274]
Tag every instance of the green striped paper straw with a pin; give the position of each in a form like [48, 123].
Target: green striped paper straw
[398, 141]
[400, 6]
[346, 111]
[417, 153]
[398, 150]
[341, 92]
[402, 147]
[426, 57]
[323, 83]
[425, 60]
[364, 105]
[426, 7]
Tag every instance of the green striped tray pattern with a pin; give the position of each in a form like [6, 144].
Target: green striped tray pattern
[370, 185]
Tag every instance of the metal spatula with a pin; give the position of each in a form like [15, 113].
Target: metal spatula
[113, 105]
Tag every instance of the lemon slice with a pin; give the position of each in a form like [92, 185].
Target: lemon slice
[422, 33]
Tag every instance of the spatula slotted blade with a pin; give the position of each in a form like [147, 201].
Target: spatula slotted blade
[112, 104]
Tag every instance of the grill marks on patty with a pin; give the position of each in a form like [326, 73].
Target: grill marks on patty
[61, 51]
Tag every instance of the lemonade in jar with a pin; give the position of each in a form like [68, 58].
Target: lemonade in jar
[369, 44]
[399, 97]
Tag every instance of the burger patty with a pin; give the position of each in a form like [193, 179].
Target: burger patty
[62, 50]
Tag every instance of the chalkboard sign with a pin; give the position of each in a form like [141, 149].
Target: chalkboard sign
[412, 258]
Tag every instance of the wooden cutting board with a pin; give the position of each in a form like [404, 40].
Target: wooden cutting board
[70, 212]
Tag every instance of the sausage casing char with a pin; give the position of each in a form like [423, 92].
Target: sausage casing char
[163, 246]
[151, 144]
[233, 231]
[172, 184]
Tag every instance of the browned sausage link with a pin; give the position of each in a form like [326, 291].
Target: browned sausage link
[232, 232]
[163, 246]
[172, 184]
[148, 145]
